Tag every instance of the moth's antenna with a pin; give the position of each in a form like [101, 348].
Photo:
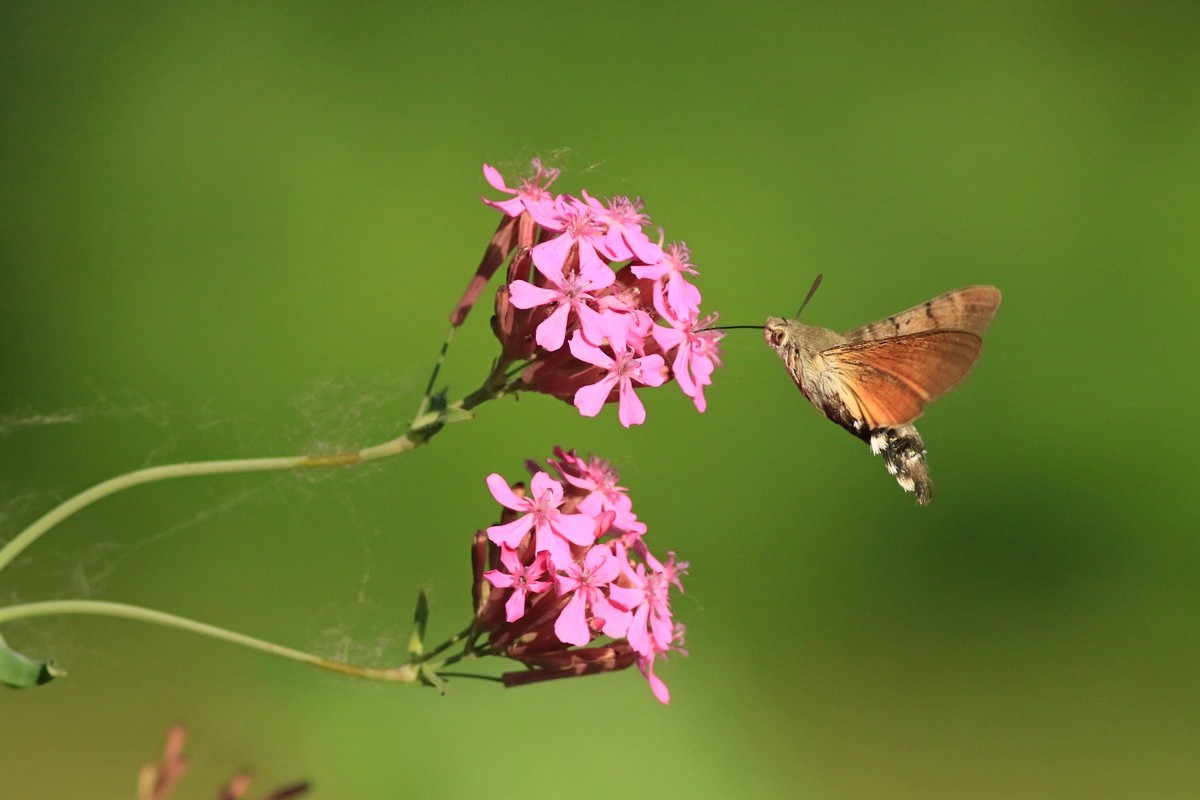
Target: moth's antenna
[811, 292]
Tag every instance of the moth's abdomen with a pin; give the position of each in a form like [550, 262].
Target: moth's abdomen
[904, 456]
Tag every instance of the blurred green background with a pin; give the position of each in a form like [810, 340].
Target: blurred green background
[237, 230]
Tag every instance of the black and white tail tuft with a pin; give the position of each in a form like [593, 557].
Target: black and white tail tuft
[904, 455]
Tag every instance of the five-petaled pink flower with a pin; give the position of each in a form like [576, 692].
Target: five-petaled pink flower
[697, 352]
[554, 531]
[522, 579]
[651, 627]
[599, 480]
[532, 196]
[620, 372]
[624, 238]
[682, 297]
[572, 291]
[586, 584]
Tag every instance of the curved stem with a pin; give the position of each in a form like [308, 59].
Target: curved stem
[406, 673]
[420, 430]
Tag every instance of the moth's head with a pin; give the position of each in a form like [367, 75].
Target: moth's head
[777, 332]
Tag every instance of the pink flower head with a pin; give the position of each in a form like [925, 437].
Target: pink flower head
[620, 372]
[522, 579]
[550, 607]
[554, 531]
[586, 269]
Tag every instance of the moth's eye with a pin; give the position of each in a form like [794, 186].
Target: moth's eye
[777, 337]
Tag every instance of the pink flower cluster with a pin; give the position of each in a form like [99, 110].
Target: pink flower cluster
[594, 306]
[568, 566]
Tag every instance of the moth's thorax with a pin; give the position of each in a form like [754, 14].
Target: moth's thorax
[800, 347]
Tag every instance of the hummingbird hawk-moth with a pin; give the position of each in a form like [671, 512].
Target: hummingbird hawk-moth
[875, 380]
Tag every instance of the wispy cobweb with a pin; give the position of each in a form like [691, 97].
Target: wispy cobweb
[329, 416]
[339, 416]
[14, 421]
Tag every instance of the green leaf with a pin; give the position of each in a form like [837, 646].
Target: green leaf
[452, 414]
[416, 642]
[21, 672]
[429, 677]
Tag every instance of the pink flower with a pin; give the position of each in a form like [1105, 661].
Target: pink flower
[624, 238]
[620, 373]
[522, 579]
[585, 584]
[682, 297]
[580, 231]
[572, 292]
[651, 627]
[597, 480]
[671, 571]
[554, 531]
[696, 351]
[532, 196]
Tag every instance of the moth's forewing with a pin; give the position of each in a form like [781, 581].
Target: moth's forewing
[889, 381]
[968, 309]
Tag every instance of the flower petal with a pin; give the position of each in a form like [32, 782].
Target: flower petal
[653, 370]
[524, 294]
[591, 323]
[571, 626]
[512, 533]
[589, 353]
[630, 409]
[495, 179]
[616, 621]
[575, 528]
[543, 483]
[504, 494]
[550, 256]
[590, 399]
[514, 609]
[501, 580]
[552, 332]
[646, 665]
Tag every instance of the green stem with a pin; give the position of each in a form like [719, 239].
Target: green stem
[419, 431]
[446, 645]
[406, 673]
[471, 675]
